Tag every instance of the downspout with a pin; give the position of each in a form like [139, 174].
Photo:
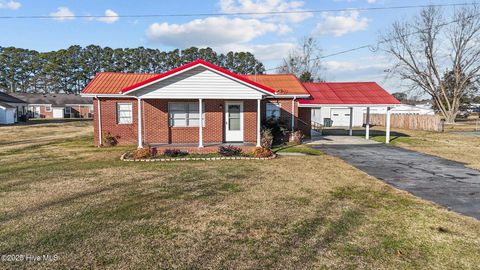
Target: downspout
[293, 113]
[99, 117]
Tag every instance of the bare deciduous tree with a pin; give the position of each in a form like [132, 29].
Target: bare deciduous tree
[303, 61]
[427, 47]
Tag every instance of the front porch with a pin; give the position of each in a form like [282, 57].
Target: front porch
[200, 123]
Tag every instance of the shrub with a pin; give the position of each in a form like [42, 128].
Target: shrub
[229, 151]
[141, 153]
[262, 152]
[296, 137]
[266, 138]
[110, 140]
[278, 129]
[175, 152]
[153, 151]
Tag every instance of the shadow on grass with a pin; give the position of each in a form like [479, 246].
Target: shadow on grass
[51, 121]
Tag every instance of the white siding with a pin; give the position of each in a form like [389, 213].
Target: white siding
[7, 115]
[319, 114]
[199, 82]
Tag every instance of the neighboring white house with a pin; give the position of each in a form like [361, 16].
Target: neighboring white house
[11, 108]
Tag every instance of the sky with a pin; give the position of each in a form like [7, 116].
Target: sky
[270, 37]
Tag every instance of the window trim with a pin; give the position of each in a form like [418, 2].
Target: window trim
[187, 118]
[48, 108]
[277, 105]
[118, 113]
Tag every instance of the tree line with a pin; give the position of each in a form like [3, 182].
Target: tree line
[69, 70]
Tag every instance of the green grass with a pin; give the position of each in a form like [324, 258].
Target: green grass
[72, 199]
[302, 148]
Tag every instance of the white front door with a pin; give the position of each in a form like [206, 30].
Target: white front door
[234, 121]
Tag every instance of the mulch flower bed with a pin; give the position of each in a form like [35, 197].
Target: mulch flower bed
[127, 157]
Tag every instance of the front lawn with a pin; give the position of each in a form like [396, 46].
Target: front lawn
[65, 197]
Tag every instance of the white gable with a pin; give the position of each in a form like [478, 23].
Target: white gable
[199, 82]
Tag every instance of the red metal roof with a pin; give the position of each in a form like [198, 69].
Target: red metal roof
[114, 82]
[284, 84]
[348, 93]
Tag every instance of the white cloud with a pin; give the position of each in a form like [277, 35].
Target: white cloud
[12, 4]
[62, 14]
[371, 1]
[212, 31]
[111, 17]
[261, 6]
[263, 52]
[362, 69]
[341, 24]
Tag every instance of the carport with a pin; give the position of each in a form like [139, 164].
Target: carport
[351, 95]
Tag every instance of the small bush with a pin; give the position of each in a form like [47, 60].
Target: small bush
[229, 151]
[109, 140]
[153, 151]
[262, 152]
[296, 137]
[278, 129]
[174, 153]
[266, 138]
[141, 153]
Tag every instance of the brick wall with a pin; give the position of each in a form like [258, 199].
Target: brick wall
[44, 113]
[286, 114]
[155, 122]
[79, 111]
[305, 115]
[285, 111]
[127, 132]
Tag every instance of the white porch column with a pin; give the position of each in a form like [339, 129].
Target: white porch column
[99, 117]
[139, 123]
[367, 125]
[387, 126]
[259, 126]
[350, 131]
[200, 127]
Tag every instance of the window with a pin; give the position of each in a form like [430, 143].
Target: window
[185, 114]
[48, 108]
[124, 113]
[273, 111]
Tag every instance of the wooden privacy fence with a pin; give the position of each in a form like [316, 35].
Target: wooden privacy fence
[408, 121]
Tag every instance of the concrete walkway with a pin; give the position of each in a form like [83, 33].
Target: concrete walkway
[447, 183]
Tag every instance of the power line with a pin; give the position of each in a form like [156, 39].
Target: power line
[374, 47]
[232, 13]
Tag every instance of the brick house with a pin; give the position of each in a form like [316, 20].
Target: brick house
[58, 105]
[163, 109]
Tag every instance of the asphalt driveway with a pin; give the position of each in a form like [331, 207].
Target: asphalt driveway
[445, 182]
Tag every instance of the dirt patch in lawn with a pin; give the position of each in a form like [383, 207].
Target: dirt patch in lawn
[71, 199]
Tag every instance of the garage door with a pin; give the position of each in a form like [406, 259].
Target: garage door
[57, 112]
[340, 117]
